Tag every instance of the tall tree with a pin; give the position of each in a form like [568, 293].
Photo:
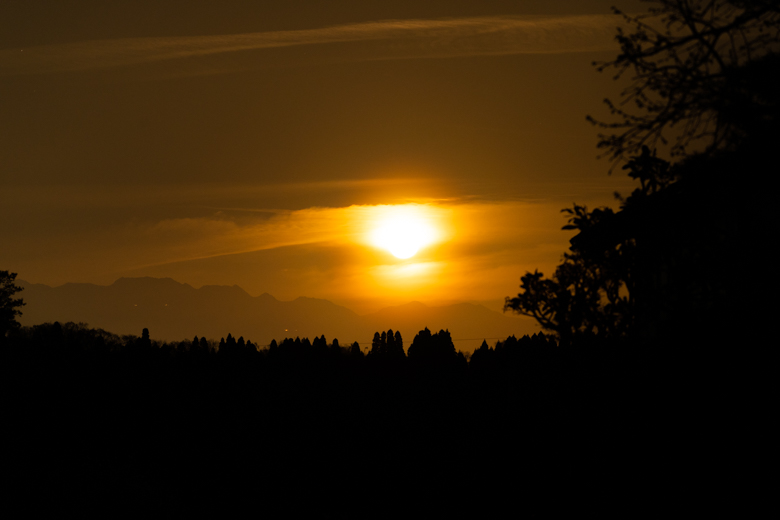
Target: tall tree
[146, 341]
[390, 343]
[8, 304]
[432, 349]
[657, 265]
[591, 292]
[376, 344]
[204, 345]
[399, 343]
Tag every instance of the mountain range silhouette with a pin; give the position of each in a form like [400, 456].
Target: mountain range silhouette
[174, 311]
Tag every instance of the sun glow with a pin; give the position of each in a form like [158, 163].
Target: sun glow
[403, 231]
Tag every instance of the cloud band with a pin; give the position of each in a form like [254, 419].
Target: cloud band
[393, 39]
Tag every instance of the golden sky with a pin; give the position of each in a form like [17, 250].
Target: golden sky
[263, 143]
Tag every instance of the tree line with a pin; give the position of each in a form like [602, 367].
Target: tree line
[650, 381]
[99, 420]
[427, 347]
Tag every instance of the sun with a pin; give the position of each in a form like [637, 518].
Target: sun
[403, 234]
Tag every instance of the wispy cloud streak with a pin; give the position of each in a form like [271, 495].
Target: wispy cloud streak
[393, 39]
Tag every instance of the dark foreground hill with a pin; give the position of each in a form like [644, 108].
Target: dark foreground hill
[173, 311]
[102, 425]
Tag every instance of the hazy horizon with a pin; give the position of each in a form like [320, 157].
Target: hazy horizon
[173, 311]
[367, 154]
[361, 307]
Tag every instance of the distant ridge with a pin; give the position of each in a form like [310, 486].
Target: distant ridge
[173, 310]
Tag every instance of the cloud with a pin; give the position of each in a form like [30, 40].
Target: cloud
[463, 230]
[183, 239]
[393, 39]
[480, 251]
[212, 195]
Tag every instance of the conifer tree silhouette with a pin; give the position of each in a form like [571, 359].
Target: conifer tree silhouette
[8, 304]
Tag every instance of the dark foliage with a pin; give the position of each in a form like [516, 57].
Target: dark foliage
[8, 304]
[649, 390]
[178, 426]
[672, 280]
[671, 262]
[693, 65]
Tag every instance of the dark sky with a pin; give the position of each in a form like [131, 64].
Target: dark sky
[260, 143]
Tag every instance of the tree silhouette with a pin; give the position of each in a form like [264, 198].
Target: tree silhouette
[432, 349]
[9, 304]
[389, 342]
[376, 345]
[335, 347]
[656, 267]
[320, 344]
[590, 293]
[398, 345]
[146, 341]
[687, 58]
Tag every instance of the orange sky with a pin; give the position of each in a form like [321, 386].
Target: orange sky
[258, 145]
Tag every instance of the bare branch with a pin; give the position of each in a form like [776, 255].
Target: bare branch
[679, 52]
